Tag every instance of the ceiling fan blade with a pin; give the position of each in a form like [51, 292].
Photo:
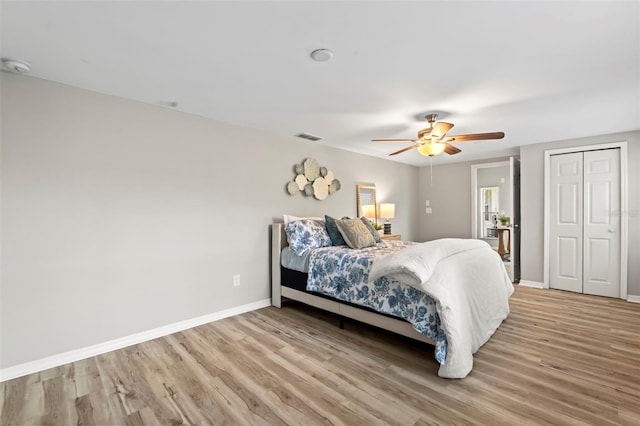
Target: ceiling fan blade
[392, 140]
[450, 149]
[440, 129]
[405, 149]
[475, 137]
[425, 134]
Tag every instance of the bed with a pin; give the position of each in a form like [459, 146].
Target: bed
[454, 301]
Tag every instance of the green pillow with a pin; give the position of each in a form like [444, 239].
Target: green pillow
[371, 229]
[332, 230]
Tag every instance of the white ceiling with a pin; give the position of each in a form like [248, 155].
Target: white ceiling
[539, 71]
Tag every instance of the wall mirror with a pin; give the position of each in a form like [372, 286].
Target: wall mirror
[489, 211]
[366, 202]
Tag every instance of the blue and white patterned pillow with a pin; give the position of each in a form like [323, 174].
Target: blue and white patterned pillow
[306, 234]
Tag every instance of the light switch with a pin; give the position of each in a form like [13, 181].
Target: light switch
[427, 203]
[427, 210]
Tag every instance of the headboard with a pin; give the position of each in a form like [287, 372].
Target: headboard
[278, 242]
[278, 228]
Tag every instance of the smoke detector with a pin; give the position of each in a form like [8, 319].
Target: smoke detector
[321, 55]
[15, 65]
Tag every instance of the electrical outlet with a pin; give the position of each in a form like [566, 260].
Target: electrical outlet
[236, 280]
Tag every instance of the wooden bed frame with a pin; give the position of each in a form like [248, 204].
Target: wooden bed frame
[278, 292]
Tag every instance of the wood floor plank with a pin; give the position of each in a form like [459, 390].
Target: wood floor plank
[238, 379]
[560, 359]
[84, 410]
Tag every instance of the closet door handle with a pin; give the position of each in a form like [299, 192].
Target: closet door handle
[611, 230]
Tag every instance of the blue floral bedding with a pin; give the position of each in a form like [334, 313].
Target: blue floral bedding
[342, 273]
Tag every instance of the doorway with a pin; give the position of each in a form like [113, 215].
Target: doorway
[495, 189]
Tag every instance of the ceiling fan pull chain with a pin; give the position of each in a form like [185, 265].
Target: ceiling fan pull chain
[431, 168]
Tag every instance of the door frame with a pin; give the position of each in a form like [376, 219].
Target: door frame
[624, 229]
[516, 218]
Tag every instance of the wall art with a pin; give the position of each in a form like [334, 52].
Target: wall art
[312, 180]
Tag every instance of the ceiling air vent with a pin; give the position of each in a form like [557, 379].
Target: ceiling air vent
[309, 137]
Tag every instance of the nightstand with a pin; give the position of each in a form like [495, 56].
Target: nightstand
[390, 237]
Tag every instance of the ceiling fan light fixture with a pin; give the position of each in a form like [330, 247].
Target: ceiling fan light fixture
[431, 149]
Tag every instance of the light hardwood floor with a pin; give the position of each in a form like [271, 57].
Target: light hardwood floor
[560, 358]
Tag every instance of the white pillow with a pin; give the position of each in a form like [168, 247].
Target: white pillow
[290, 218]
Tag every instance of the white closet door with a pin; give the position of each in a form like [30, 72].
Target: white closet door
[601, 261]
[584, 232]
[565, 231]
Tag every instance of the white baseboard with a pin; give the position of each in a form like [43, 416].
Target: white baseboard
[112, 345]
[533, 284]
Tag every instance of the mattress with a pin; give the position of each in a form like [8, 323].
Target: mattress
[290, 260]
[294, 279]
[298, 281]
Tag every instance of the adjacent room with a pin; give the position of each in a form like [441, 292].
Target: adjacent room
[319, 212]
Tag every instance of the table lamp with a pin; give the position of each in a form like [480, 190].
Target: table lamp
[369, 211]
[387, 211]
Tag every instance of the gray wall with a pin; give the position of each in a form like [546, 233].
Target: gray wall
[119, 217]
[532, 220]
[450, 197]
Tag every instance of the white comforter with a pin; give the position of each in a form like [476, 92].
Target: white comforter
[470, 285]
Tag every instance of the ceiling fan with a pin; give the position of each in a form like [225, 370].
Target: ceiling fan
[433, 140]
